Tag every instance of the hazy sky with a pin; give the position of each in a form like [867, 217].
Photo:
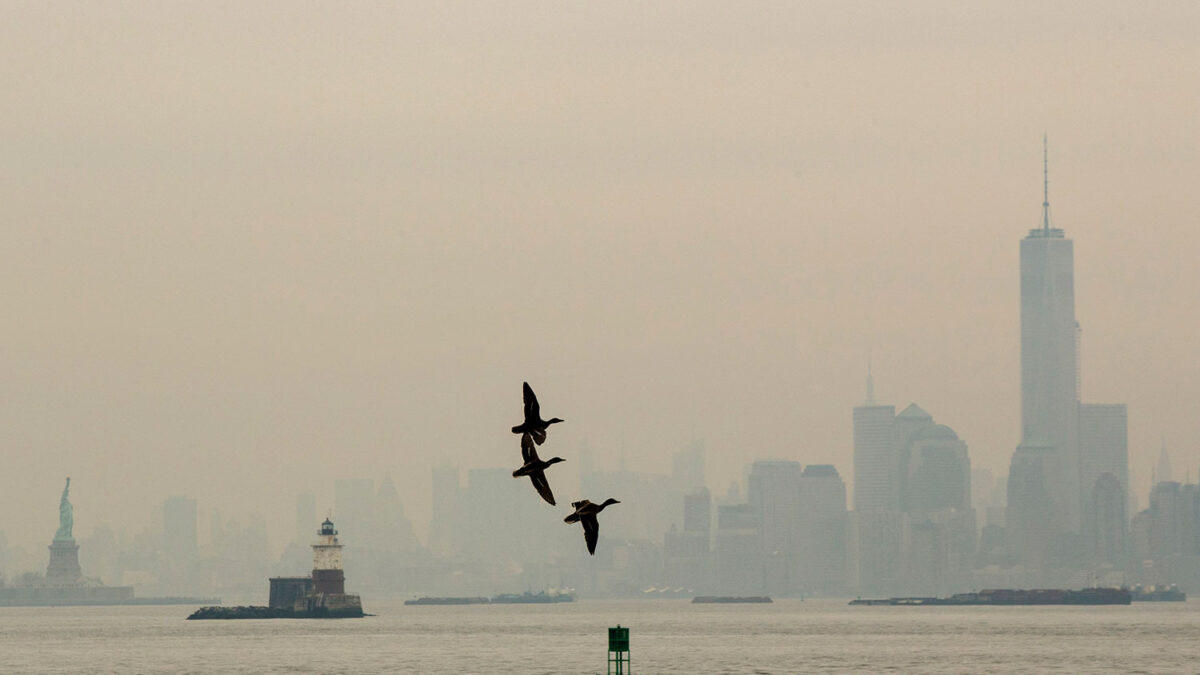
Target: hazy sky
[246, 250]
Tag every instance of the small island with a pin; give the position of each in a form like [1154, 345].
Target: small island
[320, 596]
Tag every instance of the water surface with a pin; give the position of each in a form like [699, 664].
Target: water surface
[667, 636]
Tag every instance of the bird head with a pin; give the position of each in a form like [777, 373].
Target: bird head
[555, 460]
[554, 420]
[609, 501]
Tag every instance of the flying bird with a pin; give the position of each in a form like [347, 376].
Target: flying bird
[585, 512]
[533, 425]
[535, 468]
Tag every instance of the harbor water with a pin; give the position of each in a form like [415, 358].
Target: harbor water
[667, 636]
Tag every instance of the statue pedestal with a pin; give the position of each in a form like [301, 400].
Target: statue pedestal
[64, 562]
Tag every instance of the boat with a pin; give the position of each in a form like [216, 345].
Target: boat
[729, 599]
[527, 598]
[448, 601]
[1154, 593]
[1009, 596]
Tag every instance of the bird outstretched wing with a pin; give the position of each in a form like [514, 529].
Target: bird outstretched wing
[532, 411]
[542, 486]
[591, 532]
[528, 451]
[539, 435]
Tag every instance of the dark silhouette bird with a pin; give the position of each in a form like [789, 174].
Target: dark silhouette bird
[535, 468]
[585, 512]
[534, 425]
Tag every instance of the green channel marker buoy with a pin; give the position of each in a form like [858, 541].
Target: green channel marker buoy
[618, 651]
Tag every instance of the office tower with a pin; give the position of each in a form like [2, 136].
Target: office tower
[822, 518]
[1030, 517]
[1104, 521]
[687, 467]
[1103, 446]
[391, 530]
[773, 490]
[937, 472]
[306, 515]
[697, 512]
[738, 552]
[878, 540]
[686, 552]
[874, 461]
[179, 527]
[1162, 473]
[445, 524]
[1049, 381]
[352, 506]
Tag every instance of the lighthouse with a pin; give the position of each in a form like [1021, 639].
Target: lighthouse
[327, 574]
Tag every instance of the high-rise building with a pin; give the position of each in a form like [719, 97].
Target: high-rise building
[1104, 521]
[687, 467]
[179, 527]
[773, 490]
[697, 512]
[822, 518]
[874, 459]
[391, 529]
[1049, 379]
[445, 523]
[1030, 518]
[306, 515]
[1103, 447]
[1162, 472]
[937, 472]
[738, 552]
[352, 501]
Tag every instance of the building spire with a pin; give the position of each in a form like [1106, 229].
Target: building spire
[870, 383]
[1045, 185]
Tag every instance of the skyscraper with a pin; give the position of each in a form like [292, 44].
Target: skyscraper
[773, 489]
[822, 516]
[1049, 382]
[306, 515]
[874, 460]
[179, 527]
[1103, 446]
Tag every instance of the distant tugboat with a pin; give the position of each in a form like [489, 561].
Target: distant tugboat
[527, 598]
[1154, 593]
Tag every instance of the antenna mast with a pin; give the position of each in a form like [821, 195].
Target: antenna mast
[1045, 185]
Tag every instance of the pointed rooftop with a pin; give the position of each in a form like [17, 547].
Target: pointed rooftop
[914, 411]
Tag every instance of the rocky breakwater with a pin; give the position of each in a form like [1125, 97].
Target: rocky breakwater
[327, 611]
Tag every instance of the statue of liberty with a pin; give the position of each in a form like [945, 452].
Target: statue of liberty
[66, 516]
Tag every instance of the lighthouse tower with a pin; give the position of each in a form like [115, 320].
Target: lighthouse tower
[327, 575]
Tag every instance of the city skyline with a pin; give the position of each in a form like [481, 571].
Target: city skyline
[229, 283]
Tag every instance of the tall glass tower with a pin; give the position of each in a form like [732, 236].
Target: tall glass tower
[1049, 382]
